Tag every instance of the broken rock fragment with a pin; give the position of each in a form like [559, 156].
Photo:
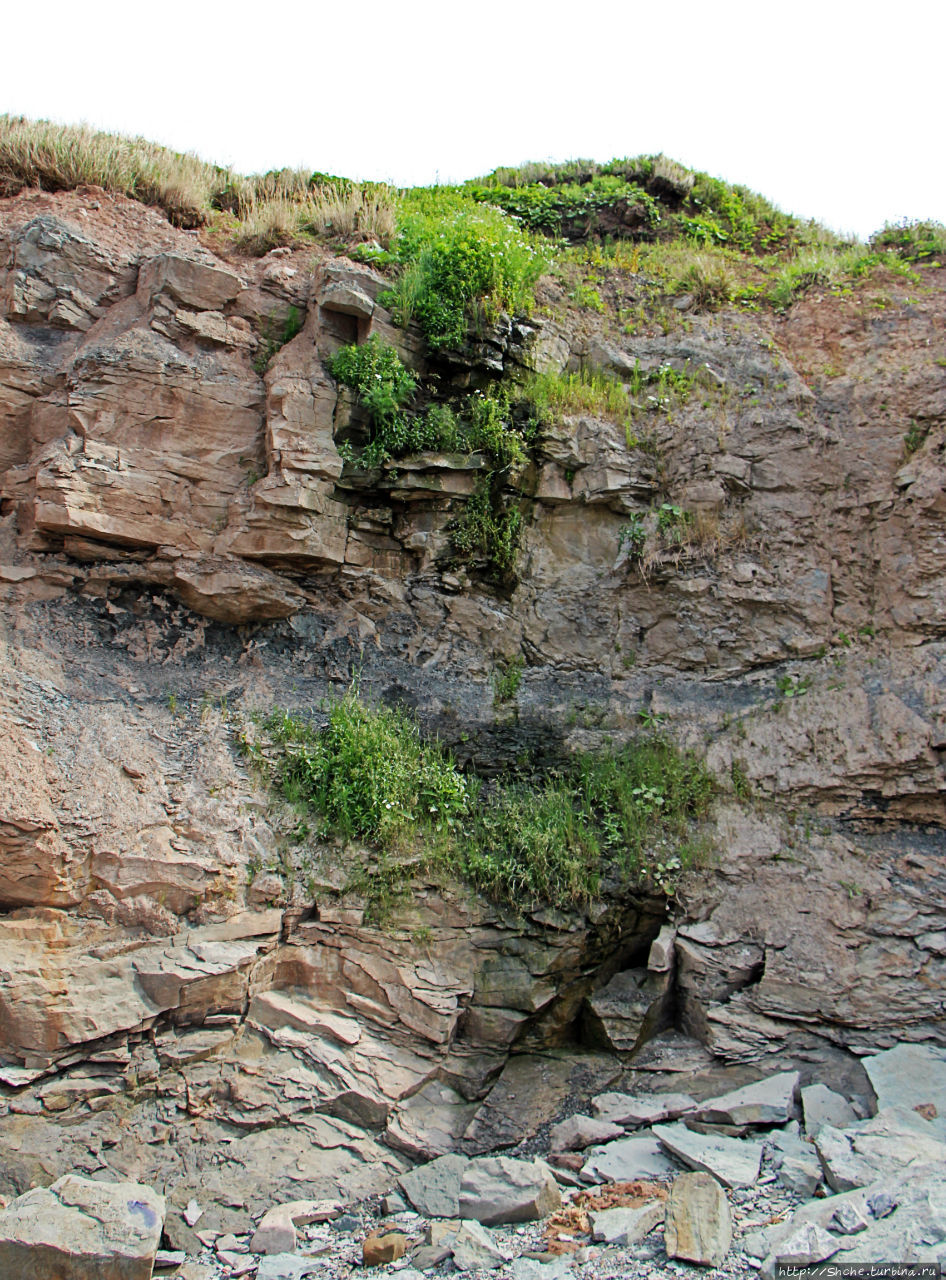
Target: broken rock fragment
[767, 1102]
[733, 1161]
[76, 1228]
[499, 1189]
[639, 1109]
[698, 1222]
[578, 1132]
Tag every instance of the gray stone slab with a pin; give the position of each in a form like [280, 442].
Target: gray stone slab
[578, 1132]
[641, 1109]
[498, 1189]
[912, 1076]
[434, 1189]
[627, 1159]
[626, 1225]
[475, 1248]
[767, 1102]
[822, 1105]
[734, 1161]
[287, 1266]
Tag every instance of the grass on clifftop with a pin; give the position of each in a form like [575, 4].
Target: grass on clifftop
[459, 255]
[369, 775]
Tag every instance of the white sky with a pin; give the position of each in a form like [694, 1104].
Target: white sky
[833, 109]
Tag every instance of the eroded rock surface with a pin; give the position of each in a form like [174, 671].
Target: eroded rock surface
[181, 538]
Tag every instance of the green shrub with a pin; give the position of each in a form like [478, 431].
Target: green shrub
[490, 429]
[571, 208]
[633, 536]
[506, 681]
[673, 523]
[912, 241]
[460, 261]
[374, 371]
[486, 533]
[915, 436]
[369, 775]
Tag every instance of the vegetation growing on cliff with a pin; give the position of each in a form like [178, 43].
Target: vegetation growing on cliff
[481, 423]
[458, 262]
[461, 254]
[368, 774]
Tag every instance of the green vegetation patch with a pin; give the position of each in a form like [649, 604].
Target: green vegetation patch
[386, 390]
[369, 775]
[485, 536]
[553, 395]
[574, 209]
[460, 262]
[912, 241]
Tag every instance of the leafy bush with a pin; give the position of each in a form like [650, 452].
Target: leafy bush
[571, 208]
[912, 241]
[369, 775]
[486, 533]
[490, 430]
[374, 371]
[506, 681]
[459, 260]
[633, 536]
[673, 523]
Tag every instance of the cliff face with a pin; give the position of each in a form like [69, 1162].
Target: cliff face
[180, 538]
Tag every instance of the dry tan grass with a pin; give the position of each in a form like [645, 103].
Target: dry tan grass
[673, 175]
[62, 157]
[270, 209]
[345, 210]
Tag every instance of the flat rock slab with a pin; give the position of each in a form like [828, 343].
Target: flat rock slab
[434, 1189]
[698, 1221]
[626, 1160]
[77, 1228]
[806, 1245]
[912, 1076]
[630, 1109]
[889, 1141]
[822, 1105]
[474, 1248]
[626, 1226]
[531, 1269]
[734, 1161]
[288, 1266]
[578, 1132]
[499, 1189]
[767, 1102]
